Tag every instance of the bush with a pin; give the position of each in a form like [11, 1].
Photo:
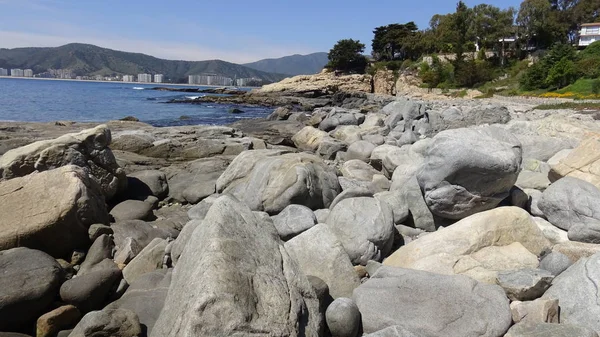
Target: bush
[589, 67]
[562, 73]
[596, 86]
[535, 77]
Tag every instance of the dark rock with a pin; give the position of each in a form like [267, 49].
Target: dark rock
[146, 297]
[29, 282]
[113, 323]
[132, 210]
[90, 291]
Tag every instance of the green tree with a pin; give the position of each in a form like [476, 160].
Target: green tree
[395, 41]
[539, 24]
[347, 56]
[562, 73]
[535, 77]
[461, 24]
[490, 23]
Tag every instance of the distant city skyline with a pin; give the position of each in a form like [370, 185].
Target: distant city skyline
[238, 32]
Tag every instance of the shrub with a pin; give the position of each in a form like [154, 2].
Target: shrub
[562, 73]
[596, 86]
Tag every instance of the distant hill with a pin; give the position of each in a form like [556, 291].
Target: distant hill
[90, 60]
[292, 65]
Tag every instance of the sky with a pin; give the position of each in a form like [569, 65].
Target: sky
[231, 30]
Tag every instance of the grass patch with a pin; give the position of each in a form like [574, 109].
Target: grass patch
[570, 105]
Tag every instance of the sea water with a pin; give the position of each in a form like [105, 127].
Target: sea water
[35, 100]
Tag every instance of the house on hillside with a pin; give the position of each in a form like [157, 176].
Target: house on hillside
[590, 33]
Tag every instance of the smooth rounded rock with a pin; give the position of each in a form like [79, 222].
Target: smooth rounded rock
[343, 318]
[29, 282]
[466, 171]
[132, 210]
[556, 263]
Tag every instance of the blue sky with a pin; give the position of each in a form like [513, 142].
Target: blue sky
[233, 30]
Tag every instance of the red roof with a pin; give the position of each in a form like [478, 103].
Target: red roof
[590, 24]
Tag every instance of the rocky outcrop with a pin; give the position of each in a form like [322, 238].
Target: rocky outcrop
[87, 149]
[430, 304]
[466, 171]
[582, 163]
[50, 211]
[573, 205]
[577, 292]
[231, 263]
[479, 246]
[270, 180]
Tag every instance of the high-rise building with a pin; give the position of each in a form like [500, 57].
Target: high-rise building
[16, 72]
[158, 78]
[210, 80]
[144, 78]
[3, 72]
[28, 73]
[128, 78]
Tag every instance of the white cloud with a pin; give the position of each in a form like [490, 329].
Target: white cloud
[162, 49]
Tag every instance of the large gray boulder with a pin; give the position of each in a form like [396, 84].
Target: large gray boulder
[50, 211]
[364, 226]
[87, 149]
[338, 116]
[270, 180]
[573, 205]
[148, 260]
[293, 220]
[108, 323]
[466, 171]
[191, 182]
[360, 150]
[234, 277]
[141, 184]
[431, 304]
[319, 253]
[29, 282]
[146, 297]
[577, 292]
[453, 118]
[309, 138]
[505, 238]
[549, 330]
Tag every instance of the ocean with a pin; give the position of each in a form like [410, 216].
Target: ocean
[47, 101]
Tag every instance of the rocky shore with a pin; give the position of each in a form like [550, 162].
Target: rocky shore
[341, 214]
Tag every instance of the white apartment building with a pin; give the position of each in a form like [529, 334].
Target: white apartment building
[3, 72]
[158, 78]
[16, 73]
[144, 78]
[28, 73]
[128, 78]
[210, 80]
[590, 33]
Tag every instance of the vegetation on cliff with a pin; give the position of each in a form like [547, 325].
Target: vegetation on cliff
[476, 45]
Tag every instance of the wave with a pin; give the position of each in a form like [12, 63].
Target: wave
[194, 97]
[138, 88]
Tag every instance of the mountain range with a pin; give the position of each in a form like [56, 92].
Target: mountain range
[292, 65]
[90, 60]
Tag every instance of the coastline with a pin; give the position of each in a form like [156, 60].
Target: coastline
[140, 83]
